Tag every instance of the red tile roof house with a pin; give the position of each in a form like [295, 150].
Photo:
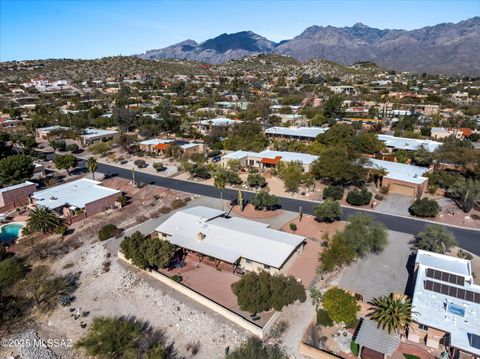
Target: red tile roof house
[78, 199]
[16, 195]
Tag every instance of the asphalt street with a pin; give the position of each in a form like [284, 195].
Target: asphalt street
[468, 239]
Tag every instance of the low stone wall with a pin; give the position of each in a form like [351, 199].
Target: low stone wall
[312, 352]
[210, 304]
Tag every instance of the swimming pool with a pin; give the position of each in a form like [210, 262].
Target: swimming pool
[10, 232]
[456, 309]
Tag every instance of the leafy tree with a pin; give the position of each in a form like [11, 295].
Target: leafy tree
[339, 166]
[100, 148]
[147, 253]
[365, 235]
[338, 135]
[44, 220]
[258, 292]
[247, 136]
[323, 318]
[392, 313]
[467, 193]
[58, 145]
[253, 348]
[11, 271]
[327, 211]
[338, 253]
[359, 197]
[426, 131]
[16, 169]
[435, 238]
[368, 142]
[333, 192]
[265, 201]
[333, 107]
[140, 163]
[73, 147]
[158, 166]
[256, 180]
[424, 207]
[107, 231]
[200, 171]
[340, 306]
[65, 162]
[92, 165]
[291, 174]
[423, 157]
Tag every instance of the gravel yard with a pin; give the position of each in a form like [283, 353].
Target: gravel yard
[120, 292]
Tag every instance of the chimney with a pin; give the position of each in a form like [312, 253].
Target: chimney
[200, 236]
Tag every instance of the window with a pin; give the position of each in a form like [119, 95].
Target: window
[251, 162]
[248, 261]
[422, 327]
[266, 266]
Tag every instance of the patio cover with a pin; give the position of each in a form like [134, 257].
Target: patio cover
[370, 336]
[271, 161]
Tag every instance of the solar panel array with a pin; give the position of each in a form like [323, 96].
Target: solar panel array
[451, 291]
[445, 277]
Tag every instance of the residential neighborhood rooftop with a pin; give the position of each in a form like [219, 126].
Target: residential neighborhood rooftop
[76, 193]
[444, 302]
[271, 154]
[307, 132]
[412, 144]
[229, 238]
[400, 171]
[94, 132]
[16, 186]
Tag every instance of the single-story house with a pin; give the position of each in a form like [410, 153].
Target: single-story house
[161, 145]
[93, 135]
[297, 133]
[269, 158]
[446, 305]
[402, 178]
[43, 133]
[240, 243]
[409, 144]
[375, 342]
[16, 195]
[206, 126]
[81, 196]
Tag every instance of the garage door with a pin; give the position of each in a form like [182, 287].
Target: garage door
[401, 189]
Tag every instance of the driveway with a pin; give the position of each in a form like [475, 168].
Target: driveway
[395, 204]
[380, 274]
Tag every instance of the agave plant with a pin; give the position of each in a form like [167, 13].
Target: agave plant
[392, 313]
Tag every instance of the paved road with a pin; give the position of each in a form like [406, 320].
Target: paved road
[468, 239]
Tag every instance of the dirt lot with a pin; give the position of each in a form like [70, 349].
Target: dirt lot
[311, 228]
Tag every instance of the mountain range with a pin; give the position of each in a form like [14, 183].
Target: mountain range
[446, 48]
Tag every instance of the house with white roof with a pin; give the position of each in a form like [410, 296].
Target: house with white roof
[81, 196]
[446, 305]
[297, 133]
[43, 133]
[401, 178]
[205, 126]
[94, 135]
[269, 158]
[237, 242]
[409, 144]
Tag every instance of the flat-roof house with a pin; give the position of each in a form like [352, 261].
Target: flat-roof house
[409, 144]
[446, 305]
[161, 145]
[16, 195]
[43, 133]
[269, 158]
[297, 133]
[402, 178]
[94, 135]
[244, 244]
[80, 196]
[220, 122]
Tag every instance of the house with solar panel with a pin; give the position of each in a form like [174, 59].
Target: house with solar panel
[446, 305]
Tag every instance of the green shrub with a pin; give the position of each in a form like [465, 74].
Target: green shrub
[359, 197]
[340, 305]
[323, 318]
[354, 347]
[73, 147]
[61, 230]
[410, 356]
[176, 278]
[424, 208]
[139, 163]
[293, 227]
[265, 201]
[107, 231]
[333, 192]
[327, 211]
[158, 166]
[123, 200]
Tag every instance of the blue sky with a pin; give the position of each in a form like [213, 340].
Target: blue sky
[38, 29]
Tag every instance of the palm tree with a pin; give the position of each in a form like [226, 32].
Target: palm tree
[219, 182]
[392, 313]
[92, 165]
[44, 220]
